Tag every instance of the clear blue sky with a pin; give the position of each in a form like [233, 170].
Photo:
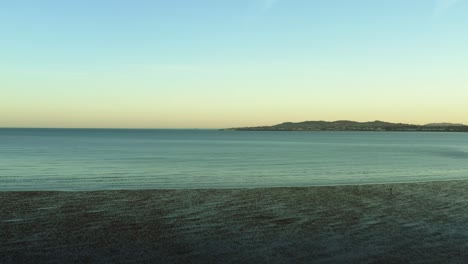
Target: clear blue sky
[224, 63]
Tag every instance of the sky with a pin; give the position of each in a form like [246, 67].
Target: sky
[229, 63]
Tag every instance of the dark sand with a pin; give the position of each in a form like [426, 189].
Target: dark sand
[417, 223]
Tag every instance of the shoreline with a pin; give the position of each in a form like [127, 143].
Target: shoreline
[237, 188]
[422, 222]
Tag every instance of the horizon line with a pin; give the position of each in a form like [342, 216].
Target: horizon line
[212, 128]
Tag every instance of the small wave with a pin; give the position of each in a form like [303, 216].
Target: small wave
[456, 154]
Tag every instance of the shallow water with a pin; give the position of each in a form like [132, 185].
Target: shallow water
[415, 223]
[104, 159]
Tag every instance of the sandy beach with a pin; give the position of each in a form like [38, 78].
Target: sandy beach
[397, 223]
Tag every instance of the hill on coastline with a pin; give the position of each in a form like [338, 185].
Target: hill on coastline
[443, 124]
[345, 125]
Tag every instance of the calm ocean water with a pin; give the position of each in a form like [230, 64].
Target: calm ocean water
[103, 159]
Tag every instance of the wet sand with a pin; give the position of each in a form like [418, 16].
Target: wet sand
[412, 222]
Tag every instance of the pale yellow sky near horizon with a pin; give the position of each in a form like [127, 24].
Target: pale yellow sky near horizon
[245, 96]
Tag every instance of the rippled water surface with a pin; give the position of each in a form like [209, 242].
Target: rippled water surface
[101, 159]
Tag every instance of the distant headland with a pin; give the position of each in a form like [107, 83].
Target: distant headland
[345, 125]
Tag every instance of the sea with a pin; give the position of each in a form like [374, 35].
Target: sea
[128, 159]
